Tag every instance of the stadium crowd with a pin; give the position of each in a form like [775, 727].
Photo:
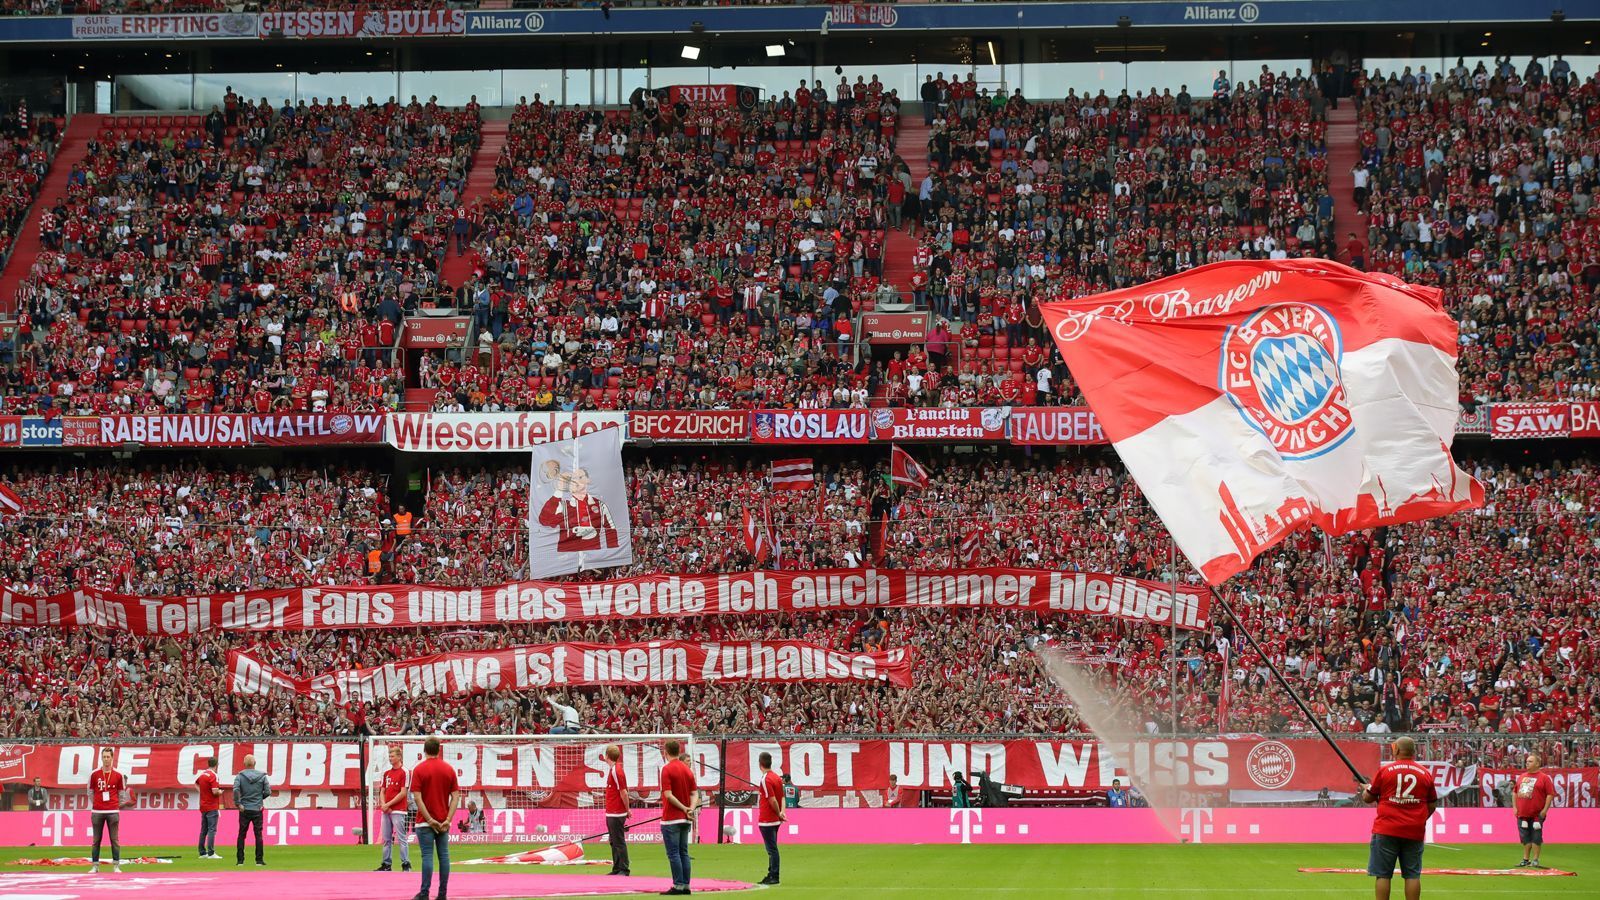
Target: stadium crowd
[668, 255]
[260, 260]
[1395, 629]
[1482, 180]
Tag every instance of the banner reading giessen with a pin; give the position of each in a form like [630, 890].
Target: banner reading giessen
[661, 596]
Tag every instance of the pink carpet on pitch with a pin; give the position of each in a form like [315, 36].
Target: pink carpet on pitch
[1529, 873]
[253, 882]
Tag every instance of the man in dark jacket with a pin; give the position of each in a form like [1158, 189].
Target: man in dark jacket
[250, 790]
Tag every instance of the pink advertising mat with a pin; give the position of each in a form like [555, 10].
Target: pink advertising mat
[254, 882]
[1523, 873]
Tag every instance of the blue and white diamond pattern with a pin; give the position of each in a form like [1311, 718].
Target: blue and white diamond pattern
[1295, 375]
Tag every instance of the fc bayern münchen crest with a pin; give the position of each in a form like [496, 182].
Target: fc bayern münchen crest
[1280, 369]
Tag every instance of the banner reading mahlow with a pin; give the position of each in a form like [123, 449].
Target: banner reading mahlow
[645, 664]
[578, 506]
[1045, 592]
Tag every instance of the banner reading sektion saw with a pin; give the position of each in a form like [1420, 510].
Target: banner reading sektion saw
[644, 664]
[659, 596]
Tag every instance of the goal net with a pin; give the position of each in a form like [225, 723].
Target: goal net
[534, 788]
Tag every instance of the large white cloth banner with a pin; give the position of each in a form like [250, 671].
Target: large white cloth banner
[578, 506]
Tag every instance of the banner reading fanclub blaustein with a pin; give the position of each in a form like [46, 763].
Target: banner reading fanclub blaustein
[578, 506]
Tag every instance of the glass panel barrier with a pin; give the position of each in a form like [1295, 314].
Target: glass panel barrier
[528, 83]
[357, 86]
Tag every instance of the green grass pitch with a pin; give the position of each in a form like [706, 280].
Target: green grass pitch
[990, 870]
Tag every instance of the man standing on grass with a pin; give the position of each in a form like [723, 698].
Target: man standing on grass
[617, 810]
[1535, 794]
[677, 807]
[1406, 799]
[250, 790]
[210, 808]
[392, 808]
[769, 797]
[437, 794]
[105, 809]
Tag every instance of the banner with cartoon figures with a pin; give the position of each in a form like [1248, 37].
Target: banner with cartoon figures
[578, 506]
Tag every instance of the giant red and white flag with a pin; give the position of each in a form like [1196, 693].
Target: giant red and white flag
[1254, 398]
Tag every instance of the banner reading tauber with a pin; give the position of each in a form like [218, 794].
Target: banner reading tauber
[578, 506]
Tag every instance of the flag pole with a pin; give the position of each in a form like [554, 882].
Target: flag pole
[1284, 683]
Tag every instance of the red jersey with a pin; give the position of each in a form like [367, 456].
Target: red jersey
[677, 780]
[105, 790]
[616, 791]
[1532, 790]
[394, 786]
[769, 794]
[1405, 796]
[433, 780]
[205, 782]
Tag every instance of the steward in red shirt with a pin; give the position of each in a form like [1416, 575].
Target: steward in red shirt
[210, 808]
[1406, 798]
[617, 810]
[436, 793]
[677, 802]
[1535, 793]
[106, 785]
[769, 813]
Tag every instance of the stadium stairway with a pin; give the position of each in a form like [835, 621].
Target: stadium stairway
[1344, 150]
[912, 146]
[480, 183]
[74, 147]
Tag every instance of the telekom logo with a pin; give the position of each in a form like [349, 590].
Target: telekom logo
[283, 822]
[507, 821]
[741, 821]
[966, 822]
[1195, 824]
[57, 825]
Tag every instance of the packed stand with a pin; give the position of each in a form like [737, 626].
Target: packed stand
[27, 144]
[1482, 181]
[258, 259]
[1472, 623]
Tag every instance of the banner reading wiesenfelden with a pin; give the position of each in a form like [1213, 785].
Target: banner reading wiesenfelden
[658, 596]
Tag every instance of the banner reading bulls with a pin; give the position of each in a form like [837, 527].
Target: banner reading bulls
[1045, 592]
[1210, 764]
[649, 664]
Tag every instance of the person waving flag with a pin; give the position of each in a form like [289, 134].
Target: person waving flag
[904, 471]
[1253, 398]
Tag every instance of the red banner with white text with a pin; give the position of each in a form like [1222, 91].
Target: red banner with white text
[1544, 420]
[573, 664]
[659, 596]
[1050, 425]
[961, 423]
[1216, 764]
[276, 429]
[1575, 788]
[697, 425]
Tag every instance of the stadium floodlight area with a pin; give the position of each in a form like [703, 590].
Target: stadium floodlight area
[533, 788]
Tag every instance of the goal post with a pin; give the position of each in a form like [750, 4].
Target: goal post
[531, 788]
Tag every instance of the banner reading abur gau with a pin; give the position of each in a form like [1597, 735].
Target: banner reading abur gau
[578, 503]
[657, 596]
[645, 664]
